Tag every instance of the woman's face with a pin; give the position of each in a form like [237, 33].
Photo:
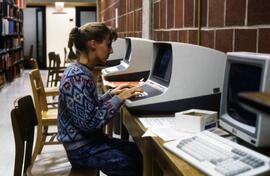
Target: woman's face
[103, 51]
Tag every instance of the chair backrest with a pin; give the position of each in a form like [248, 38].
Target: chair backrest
[34, 63]
[65, 54]
[53, 69]
[31, 51]
[38, 92]
[24, 120]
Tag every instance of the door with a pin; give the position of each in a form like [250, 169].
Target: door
[41, 37]
[85, 15]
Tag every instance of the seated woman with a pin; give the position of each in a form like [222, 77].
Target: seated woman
[82, 115]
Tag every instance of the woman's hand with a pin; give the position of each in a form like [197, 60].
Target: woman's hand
[129, 93]
[120, 89]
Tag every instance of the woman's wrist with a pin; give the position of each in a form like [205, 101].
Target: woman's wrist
[110, 93]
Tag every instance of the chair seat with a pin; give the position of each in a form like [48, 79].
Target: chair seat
[49, 117]
[56, 163]
[51, 91]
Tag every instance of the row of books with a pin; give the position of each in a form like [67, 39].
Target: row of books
[2, 79]
[9, 66]
[11, 10]
[9, 59]
[2, 64]
[11, 43]
[1, 7]
[11, 50]
[10, 27]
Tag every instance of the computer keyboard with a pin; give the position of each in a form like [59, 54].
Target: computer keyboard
[218, 156]
[143, 94]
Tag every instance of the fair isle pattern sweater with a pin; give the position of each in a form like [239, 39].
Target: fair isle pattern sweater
[80, 111]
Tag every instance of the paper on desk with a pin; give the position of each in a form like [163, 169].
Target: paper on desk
[149, 133]
[157, 122]
[164, 127]
[168, 134]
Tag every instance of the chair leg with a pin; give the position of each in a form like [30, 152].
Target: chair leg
[44, 131]
[39, 144]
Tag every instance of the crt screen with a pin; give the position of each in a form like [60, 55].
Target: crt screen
[128, 51]
[242, 77]
[162, 63]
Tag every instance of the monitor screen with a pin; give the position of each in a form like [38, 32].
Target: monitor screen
[163, 63]
[242, 77]
[128, 51]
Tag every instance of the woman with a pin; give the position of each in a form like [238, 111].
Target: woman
[82, 115]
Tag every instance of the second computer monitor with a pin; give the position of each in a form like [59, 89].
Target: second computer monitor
[245, 72]
[119, 50]
[136, 64]
[184, 76]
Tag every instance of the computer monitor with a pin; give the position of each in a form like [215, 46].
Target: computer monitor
[163, 65]
[128, 50]
[245, 72]
[119, 51]
[136, 64]
[183, 76]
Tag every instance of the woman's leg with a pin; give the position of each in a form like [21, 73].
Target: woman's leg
[112, 156]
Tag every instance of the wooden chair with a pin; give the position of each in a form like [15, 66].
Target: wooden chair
[27, 58]
[52, 163]
[54, 70]
[49, 91]
[65, 54]
[46, 117]
[53, 64]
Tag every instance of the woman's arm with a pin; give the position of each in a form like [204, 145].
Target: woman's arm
[83, 106]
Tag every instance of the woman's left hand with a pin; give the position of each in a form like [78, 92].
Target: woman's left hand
[120, 89]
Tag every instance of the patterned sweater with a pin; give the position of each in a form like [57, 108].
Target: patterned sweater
[80, 112]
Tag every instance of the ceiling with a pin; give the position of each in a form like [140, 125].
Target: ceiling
[67, 2]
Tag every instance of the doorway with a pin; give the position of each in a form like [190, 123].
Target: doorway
[85, 15]
[35, 33]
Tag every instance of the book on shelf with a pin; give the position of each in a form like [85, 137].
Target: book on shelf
[2, 79]
[10, 27]
[1, 7]
[1, 28]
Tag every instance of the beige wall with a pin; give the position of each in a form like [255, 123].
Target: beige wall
[58, 27]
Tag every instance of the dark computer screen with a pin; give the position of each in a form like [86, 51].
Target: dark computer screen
[242, 77]
[128, 51]
[163, 62]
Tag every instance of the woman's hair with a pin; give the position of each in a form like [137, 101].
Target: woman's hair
[90, 31]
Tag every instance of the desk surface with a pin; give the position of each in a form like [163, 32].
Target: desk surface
[154, 154]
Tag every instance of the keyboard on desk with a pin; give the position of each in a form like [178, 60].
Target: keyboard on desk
[148, 92]
[217, 156]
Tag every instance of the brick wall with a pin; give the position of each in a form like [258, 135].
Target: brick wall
[226, 25]
[129, 16]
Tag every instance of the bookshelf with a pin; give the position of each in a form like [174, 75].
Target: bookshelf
[11, 40]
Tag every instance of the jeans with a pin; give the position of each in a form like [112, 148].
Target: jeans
[112, 156]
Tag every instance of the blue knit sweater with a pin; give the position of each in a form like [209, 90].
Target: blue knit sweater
[80, 112]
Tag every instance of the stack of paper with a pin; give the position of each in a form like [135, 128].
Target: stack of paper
[164, 127]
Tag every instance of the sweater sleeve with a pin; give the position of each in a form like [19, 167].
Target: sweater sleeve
[84, 108]
[105, 97]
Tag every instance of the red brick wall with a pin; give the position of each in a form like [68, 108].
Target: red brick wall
[129, 16]
[226, 25]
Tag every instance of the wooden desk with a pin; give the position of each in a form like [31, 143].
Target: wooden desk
[156, 159]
